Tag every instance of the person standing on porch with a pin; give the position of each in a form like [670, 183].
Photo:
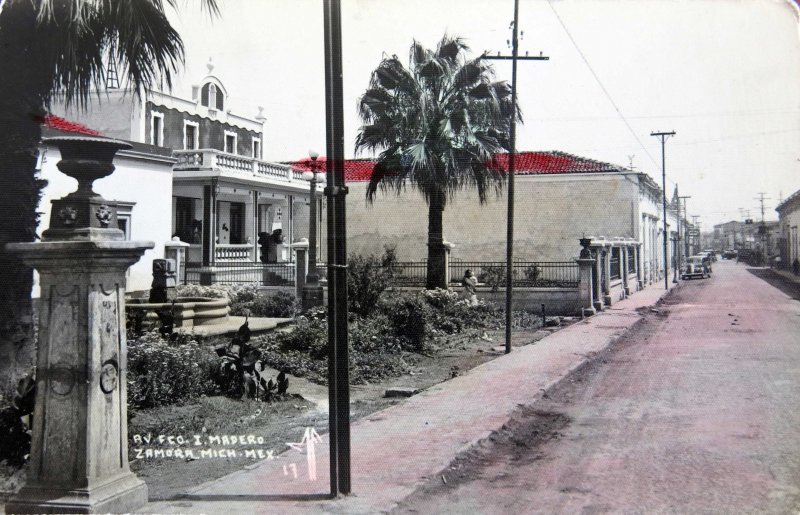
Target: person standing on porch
[470, 284]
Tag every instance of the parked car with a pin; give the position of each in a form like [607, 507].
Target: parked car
[697, 266]
[729, 254]
[710, 253]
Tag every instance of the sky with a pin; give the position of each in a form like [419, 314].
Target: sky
[723, 74]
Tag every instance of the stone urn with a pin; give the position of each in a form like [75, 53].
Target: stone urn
[585, 252]
[84, 214]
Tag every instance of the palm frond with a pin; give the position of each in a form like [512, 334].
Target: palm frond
[451, 47]
[80, 35]
[418, 54]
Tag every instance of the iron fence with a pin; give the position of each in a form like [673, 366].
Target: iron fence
[410, 273]
[266, 274]
[540, 274]
[614, 263]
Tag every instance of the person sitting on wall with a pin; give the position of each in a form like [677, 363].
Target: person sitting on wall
[470, 283]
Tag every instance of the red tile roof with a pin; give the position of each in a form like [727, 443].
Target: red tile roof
[64, 125]
[526, 163]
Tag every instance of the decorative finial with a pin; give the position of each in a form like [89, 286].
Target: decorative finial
[260, 116]
[210, 66]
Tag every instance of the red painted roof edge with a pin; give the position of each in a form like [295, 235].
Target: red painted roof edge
[62, 124]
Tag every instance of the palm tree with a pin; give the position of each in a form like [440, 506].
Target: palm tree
[437, 125]
[48, 48]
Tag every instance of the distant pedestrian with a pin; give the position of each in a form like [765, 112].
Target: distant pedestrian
[470, 284]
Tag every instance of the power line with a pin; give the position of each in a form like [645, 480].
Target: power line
[599, 82]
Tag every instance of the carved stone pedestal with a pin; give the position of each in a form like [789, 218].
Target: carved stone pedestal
[79, 451]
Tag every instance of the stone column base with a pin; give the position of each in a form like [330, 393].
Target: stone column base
[123, 494]
[607, 300]
[587, 312]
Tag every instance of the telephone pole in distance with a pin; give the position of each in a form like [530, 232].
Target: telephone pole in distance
[663, 137]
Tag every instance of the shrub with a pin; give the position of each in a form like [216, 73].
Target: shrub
[281, 304]
[161, 373]
[309, 336]
[15, 440]
[367, 278]
[15, 435]
[410, 318]
[215, 291]
[370, 335]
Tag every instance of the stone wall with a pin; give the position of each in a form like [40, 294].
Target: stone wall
[551, 213]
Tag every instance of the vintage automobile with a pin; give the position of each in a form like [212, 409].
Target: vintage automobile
[697, 266]
[729, 254]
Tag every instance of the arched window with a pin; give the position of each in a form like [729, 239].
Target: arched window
[212, 97]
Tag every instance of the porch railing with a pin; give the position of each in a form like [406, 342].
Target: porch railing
[234, 272]
[208, 159]
[234, 252]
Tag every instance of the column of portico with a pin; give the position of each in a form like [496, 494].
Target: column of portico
[623, 265]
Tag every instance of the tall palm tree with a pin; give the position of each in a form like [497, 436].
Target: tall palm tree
[437, 125]
[48, 48]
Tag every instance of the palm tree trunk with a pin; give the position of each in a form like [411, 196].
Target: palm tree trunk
[21, 108]
[436, 254]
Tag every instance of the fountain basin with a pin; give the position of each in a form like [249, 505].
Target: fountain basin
[188, 311]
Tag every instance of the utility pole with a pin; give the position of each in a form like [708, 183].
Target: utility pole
[685, 214]
[678, 254]
[514, 57]
[761, 198]
[663, 137]
[763, 228]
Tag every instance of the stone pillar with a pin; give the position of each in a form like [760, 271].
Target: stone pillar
[597, 278]
[585, 286]
[448, 247]
[176, 250]
[79, 449]
[163, 287]
[607, 281]
[623, 264]
[301, 263]
[639, 276]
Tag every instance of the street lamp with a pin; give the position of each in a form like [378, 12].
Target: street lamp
[312, 290]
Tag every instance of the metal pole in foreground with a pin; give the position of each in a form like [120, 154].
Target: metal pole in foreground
[338, 379]
[663, 137]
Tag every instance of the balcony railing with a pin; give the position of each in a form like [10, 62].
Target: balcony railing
[210, 159]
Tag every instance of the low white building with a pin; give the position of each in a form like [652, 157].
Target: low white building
[141, 185]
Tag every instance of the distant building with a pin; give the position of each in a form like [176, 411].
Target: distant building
[750, 234]
[788, 221]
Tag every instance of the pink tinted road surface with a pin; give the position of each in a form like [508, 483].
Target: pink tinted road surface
[698, 413]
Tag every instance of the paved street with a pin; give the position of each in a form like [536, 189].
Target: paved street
[694, 411]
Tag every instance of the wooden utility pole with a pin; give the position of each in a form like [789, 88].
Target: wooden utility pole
[663, 137]
[514, 57]
[685, 214]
